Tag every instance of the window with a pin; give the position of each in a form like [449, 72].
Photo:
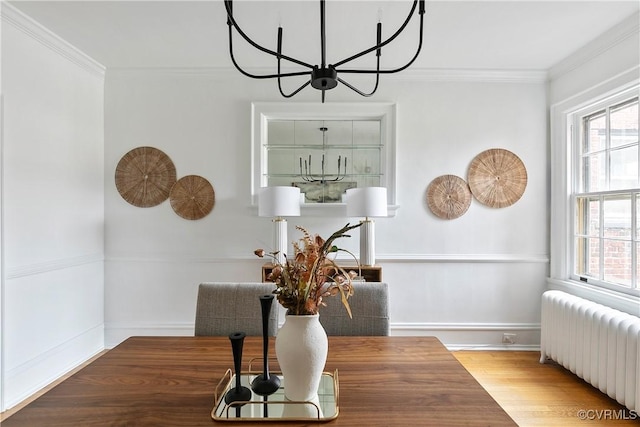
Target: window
[606, 195]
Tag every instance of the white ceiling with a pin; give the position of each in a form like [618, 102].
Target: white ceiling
[497, 35]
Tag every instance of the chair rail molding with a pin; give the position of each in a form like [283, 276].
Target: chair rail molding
[52, 265]
[381, 257]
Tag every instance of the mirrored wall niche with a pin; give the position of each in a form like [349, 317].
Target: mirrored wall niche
[324, 149]
[324, 157]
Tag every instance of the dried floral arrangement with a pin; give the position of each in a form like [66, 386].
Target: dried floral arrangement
[303, 281]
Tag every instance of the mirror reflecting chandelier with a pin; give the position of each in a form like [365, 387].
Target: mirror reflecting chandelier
[325, 76]
[323, 178]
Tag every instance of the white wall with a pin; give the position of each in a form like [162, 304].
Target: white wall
[602, 68]
[53, 207]
[467, 280]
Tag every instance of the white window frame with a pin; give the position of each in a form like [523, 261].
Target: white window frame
[576, 139]
[564, 160]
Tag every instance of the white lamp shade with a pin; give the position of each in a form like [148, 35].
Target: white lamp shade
[279, 201]
[366, 201]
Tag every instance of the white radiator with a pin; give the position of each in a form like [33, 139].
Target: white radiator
[597, 343]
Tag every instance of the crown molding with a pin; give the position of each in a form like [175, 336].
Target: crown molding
[414, 74]
[471, 75]
[630, 27]
[36, 31]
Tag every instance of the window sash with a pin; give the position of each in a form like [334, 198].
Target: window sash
[594, 250]
[604, 151]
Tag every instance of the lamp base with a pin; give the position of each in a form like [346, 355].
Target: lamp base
[367, 243]
[280, 239]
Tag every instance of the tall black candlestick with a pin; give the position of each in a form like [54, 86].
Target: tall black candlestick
[239, 393]
[265, 384]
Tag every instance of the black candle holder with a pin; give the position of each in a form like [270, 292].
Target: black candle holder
[265, 384]
[239, 393]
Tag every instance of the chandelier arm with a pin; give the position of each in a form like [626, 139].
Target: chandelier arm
[231, 22]
[395, 70]
[308, 82]
[305, 84]
[390, 39]
[259, 76]
[359, 92]
[294, 92]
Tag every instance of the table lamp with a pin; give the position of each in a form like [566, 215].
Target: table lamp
[278, 202]
[367, 202]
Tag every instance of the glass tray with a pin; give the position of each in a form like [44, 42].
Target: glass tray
[276, 407]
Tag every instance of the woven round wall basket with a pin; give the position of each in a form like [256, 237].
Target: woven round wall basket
[497, 178]
[448, 196]
[192, 197]
[144, 177]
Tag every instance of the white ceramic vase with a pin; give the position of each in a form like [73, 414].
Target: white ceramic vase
[301, 349]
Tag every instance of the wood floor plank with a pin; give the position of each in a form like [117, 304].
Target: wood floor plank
[545, 395]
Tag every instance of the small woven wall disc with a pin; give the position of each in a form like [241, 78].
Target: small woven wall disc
[144, 177]
[192, 197]
[497, 178]
[448, 196]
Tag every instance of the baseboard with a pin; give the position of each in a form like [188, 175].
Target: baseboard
[475, 336]
[486, 336]
[35, 374]
[502, 347]
[116, 332]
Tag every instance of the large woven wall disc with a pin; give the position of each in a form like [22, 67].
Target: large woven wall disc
[192, 197]
[497, 178]
[448, 196]
[144, 177]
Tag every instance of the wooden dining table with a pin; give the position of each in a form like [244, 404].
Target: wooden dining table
[171, 381]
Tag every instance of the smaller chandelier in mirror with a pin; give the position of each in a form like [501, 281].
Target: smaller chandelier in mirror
[324, 158]
[307, 173]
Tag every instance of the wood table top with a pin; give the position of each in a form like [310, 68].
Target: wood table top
[170, 381]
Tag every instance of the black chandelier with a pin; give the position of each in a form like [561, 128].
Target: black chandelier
[324, 77]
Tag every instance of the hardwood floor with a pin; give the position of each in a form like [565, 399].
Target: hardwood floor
[545, 395]
[532, 394]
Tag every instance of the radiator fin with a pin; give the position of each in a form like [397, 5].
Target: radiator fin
[597, 343]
